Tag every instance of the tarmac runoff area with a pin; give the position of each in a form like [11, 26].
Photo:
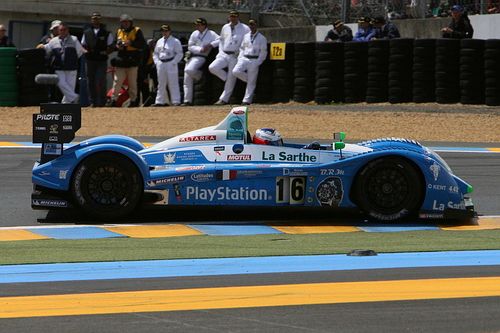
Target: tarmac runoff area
[226, 229]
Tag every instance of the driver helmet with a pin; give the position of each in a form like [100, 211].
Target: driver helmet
[267, 136]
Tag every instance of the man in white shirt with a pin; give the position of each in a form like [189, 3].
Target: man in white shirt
[253, 52]
[230, 40]
[166, 56]
[201, 41]
[65, 50]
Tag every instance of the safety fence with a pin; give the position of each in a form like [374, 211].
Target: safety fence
[397, 71]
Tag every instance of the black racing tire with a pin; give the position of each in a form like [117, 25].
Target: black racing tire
[389, 188]
[107, 186]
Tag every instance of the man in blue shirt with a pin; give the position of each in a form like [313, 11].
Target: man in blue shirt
[365, 30]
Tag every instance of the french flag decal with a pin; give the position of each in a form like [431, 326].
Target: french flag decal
[226, 174]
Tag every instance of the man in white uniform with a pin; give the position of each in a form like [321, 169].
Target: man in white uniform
[253, 52]
[230, 40]
[65, 51]
[201, 41]
[167, 54]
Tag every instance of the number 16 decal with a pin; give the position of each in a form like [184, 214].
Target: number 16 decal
[290, 190]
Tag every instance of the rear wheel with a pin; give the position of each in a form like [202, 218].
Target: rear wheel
[107, 186]
[389, 188]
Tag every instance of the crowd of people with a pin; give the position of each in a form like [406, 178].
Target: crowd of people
[241, 50]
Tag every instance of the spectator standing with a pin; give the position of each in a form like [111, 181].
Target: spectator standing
[4, 39]
[460, 26]
[339, 33]
[53, 32]
[230, 40]
[65, 50]
[146, 72]
[201, 41]
[365, 30]
[167, 54]
[99, 43]
[129, 43]
[384, 29]
[253, 52]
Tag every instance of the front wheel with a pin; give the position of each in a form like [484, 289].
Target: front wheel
[107, 186]
[389, 188]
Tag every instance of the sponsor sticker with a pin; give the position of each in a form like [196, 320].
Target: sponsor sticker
[164, 181]
[196, 138]
[249, 173]
[330, 192]
[169, 158]
[47, 116]
[49, 203]
[63, 174]
[284, 156]
[331, 172]
[219, 148]
[54, 129]
[52, 149]
[226, 193]
[190, 168]
[435, 169]
[436, 187]
[67, 118]
[243, 157]
[202, 177]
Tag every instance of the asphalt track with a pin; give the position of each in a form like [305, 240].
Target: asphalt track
[452, 314]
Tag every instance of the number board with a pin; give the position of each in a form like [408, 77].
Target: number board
[291, 190]
[278, 51]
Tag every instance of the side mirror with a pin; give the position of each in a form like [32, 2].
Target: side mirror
[338, 145]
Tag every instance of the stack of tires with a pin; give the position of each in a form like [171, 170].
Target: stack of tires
[400, 70]
[324, 78]
[471, 71]
[492, 72]
[304, 76]
[283, 76]
[423, 70]
[8, 83]
[264, 89]
[447, 70]
[355, 71]
[30, 63]
[378, 69]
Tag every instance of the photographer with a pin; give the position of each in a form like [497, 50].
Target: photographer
[129, 43]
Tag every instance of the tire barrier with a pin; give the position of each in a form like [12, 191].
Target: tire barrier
[264, 89]
[378, 69]
[8, 85]
[329, 73]
[304, 76]
[423, 89]
[400, 70]
[283, 76]
[492, 72]
[447, 72]
[204, 92]
[471, 71]
[355, 71]
[30, 63]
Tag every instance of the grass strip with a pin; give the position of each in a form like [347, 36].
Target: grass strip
[59, 251]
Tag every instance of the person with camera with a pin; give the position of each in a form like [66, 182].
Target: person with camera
[129, 44]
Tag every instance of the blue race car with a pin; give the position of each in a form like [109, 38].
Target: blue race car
[108, 177]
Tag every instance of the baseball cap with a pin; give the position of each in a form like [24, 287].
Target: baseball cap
[252, 21]
[165, 27]
[200, 20]
[234, 13]
[337, 23]
[364, 20]
[54, 24]
[95, 15]
[379, 19]
[125, 17]
[457, 8]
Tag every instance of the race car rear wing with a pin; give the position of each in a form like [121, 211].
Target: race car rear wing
[55, 125]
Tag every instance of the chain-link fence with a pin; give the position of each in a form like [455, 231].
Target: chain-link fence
[324, 11]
